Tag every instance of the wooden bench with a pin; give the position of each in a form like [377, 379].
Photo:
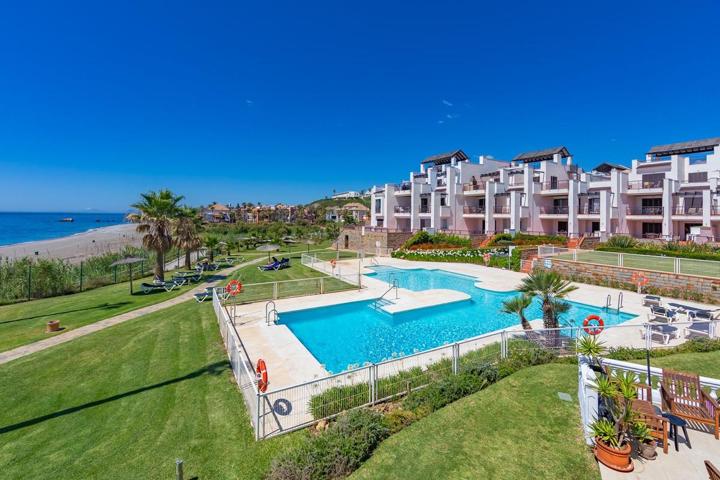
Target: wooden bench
[683, 396]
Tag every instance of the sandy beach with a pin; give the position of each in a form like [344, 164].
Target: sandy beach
[75, 248]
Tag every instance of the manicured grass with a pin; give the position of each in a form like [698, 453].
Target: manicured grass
[647, 262]
[704, 364]
[127, 401]
[24, 323]
[517, 428]
[251, 276]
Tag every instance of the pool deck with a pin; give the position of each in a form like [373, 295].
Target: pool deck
[291, 363]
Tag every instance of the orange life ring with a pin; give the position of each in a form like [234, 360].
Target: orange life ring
[593, 325]
[333, 262]
[262, 375]
[486, 258]
[639, 279]
[234, 287]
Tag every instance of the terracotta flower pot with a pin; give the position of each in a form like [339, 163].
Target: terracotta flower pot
[647, 450]
[616, 458]
[53, 326]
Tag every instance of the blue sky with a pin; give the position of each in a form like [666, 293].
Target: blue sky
[286, 101]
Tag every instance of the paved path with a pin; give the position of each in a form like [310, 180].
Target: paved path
[31, 348]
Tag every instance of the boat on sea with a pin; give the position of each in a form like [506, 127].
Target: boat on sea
[67, 220]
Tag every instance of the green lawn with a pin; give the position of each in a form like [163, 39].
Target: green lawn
[127, 401]
[704, 364]
[24, 323]
[251, 276]
[517, 428]
[648, 262]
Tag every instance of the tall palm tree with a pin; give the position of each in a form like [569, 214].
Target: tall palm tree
[517, 305]
[212, 243]
[157, 212]
[186, 233]
[550, 287]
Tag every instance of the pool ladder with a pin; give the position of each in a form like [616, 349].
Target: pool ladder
[381, 300]
[608, 302]
[271, 312]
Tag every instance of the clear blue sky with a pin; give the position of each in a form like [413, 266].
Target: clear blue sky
[285, 101]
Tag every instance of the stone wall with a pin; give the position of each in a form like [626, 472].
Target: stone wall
[590, 243]
[352, 239]
[683, 286]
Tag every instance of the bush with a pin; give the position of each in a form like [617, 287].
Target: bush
[695, 345]
[436, 240]
[438, 394]
[335, 453]
[621, 241]
[526, 239]
[399, 419]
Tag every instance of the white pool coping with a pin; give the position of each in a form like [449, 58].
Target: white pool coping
[289, 361]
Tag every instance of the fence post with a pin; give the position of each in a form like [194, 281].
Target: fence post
[115, 274]
[621, 259]
[372, 380]
[456, 357]
[677, 265]
[257, 413]
[503, 344]
[81, 276]
[29, 290]
[275, 290]
[322, 284]
[648, 338]
[574, 255]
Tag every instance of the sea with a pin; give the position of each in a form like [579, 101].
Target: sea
[17, 227]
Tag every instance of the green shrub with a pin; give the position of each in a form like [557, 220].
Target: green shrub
[440, 239]
[335, 453]
[695, 345]
[621, 241]
[399, 419]
[338, 399]
[438, 394]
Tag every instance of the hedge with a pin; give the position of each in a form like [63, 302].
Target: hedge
[498, 256]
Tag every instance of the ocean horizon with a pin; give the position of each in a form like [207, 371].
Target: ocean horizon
[20, 227]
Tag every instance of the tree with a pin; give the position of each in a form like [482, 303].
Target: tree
[186, 233]
[211, 243]
[157, 212]
[517, 305]
[550, 287]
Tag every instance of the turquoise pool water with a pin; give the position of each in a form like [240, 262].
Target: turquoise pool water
[354, 333]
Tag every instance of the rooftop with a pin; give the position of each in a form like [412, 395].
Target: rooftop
[693, 146]
[443, 158]
[540, 155]
[607, 167]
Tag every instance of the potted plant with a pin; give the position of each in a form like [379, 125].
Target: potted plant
[646, 444]
[592, 348]
[613, 435]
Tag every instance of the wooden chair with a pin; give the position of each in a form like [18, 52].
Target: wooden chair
[682, 396]
[713, 472]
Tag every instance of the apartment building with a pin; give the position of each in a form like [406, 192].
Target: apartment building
[669, 195]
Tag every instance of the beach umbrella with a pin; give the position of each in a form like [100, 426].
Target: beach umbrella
[309, 242]
[270, 247]
[129, 261]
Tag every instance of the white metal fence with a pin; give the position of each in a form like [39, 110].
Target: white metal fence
[290, 408]
[335, 268]
[658, 263]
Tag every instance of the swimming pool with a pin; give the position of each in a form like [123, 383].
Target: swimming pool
[350, 334]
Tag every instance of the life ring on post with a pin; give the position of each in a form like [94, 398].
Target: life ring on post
[333, 262]
[262, 375]
[234, 287]
[593, 325]
[639, 279]
[486, 258]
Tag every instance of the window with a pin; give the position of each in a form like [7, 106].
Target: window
[443, 201]
[594, 205]
[651, 230]
[595, 227]
[553, 183]
[653, 180]
[562, 227]
[696, 177]
[378, 205]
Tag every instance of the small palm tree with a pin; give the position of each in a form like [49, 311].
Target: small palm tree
[157, 212]
[549, 286]
[517, 305]
[212, 243]
[186, 233]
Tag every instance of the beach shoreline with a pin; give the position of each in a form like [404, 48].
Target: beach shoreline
[78, 246]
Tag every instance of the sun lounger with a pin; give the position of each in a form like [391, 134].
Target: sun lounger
[153, 287]
[702, 324]
[662, 315]
[660, 330]
[652, 300]
[269, 266]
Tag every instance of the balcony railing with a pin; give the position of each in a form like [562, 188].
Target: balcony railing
[470, 209]
[643, 184]
[645, 210]
[680, 210]
[474, 187]
[441, 182]
[419, 175]
[559, 210]
[399, 209]
[715, 210]
[502, 209]
[424, 208]
[405, 186]
[589, 210]
[555, 185]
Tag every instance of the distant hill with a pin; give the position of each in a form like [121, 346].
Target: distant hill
[338, 202]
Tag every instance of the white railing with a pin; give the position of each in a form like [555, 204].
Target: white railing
[587, 387]
[333, 268]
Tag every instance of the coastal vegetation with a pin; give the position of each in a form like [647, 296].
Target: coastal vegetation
[551, 288]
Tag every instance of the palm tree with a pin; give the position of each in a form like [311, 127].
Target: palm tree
[211, 243]
[157, 212]
[186, 233]
[550, 287]
[517, 305]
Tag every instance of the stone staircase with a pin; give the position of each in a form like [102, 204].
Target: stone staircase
[487, 241]
[575, 243]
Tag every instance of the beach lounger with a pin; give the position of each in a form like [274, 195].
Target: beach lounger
[270, 266]
[702, 324]
[180, 280]
[662, 315]
[663, 331]
[204, 295]
[152, 287]
[652, 300]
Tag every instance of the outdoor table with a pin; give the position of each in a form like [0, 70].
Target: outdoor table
[676, 422]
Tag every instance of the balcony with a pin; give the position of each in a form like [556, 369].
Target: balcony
[556, 185]
[403, 188]
[645, 211]
[645, 185]
[687, 211]
[554, 210]
[474, 188]
[589, 210]
[516, 181]
[402, 210]
[424, 209]
[502, 210]
[441, 183]
[469, 210]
